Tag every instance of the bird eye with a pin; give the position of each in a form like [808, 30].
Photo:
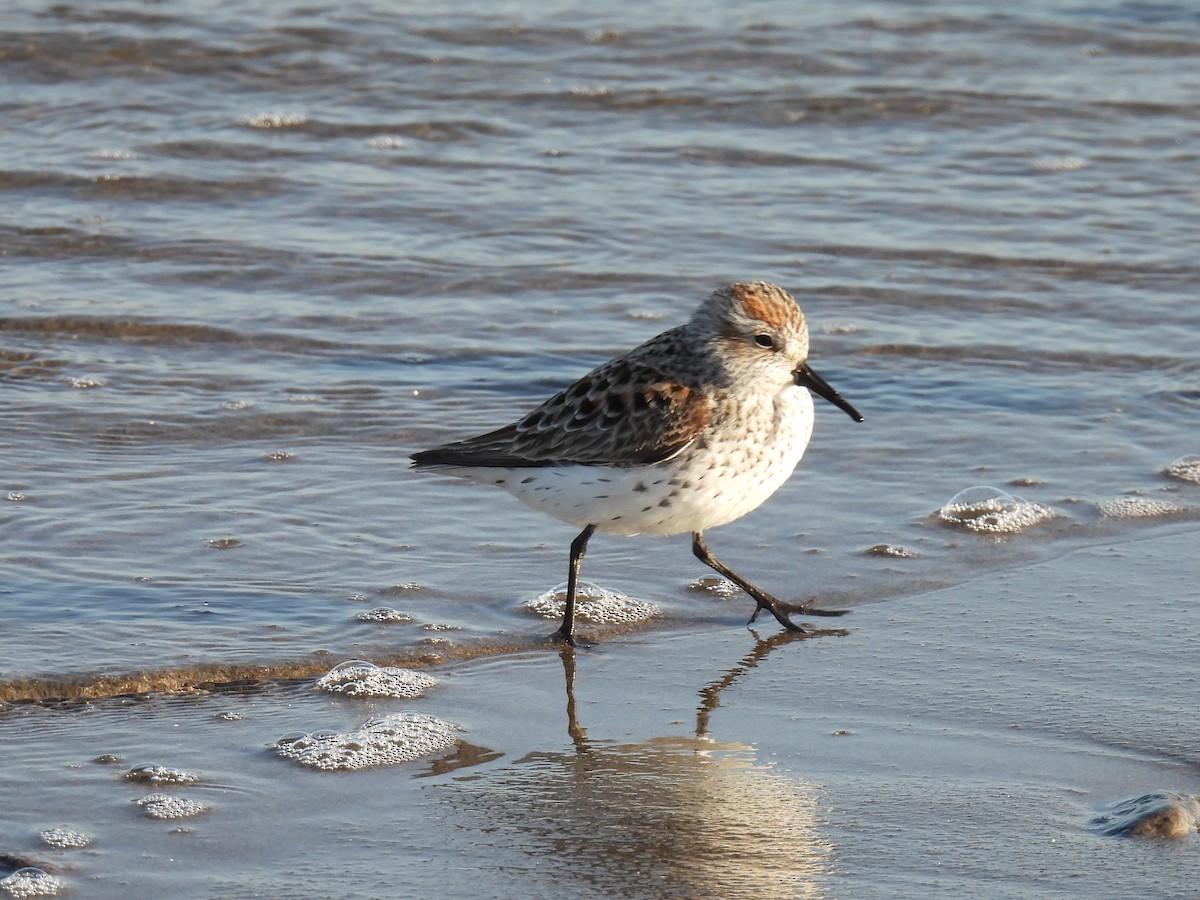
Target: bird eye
[765, 341]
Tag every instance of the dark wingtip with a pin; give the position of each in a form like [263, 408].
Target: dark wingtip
[458, 455]
[425, 458]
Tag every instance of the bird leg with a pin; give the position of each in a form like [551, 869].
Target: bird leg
[578, 548]
[766, 601]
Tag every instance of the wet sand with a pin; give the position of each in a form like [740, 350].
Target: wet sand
[954, 742]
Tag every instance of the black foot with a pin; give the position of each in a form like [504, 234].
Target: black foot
[777, 610]
[561, 637]
[780, 610]
[774, 605]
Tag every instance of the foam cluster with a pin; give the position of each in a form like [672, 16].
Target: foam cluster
[64, 838]
[161, 775]
[715, 585]
[359, 678]
[1186, 468]
[991, 510]
[892, 550]
[593, 604]
[383, 614]
[164, 806]
[1137, 508]
[383, 741]
[31, 882]
[275, 119]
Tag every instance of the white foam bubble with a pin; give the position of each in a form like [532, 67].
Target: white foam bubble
[84, 382]
[716, 585]
[994, 511]
[64, 838]
[161, 775]
[276, 119]
[164, 806]
[387, 142]
[892, 550]
[31, 882]
[383, 614]
[113, 153]
[592, 604]
[406, 586]
[590, 90]
[1186, 468]
[359, 678]
[384, 741]
[1059, 164]
[1137, 508]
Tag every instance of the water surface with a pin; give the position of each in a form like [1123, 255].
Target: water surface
[255, 254]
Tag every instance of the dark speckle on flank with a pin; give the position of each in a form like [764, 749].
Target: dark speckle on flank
[640, 486]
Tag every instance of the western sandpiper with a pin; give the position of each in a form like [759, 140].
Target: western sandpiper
[693, 429]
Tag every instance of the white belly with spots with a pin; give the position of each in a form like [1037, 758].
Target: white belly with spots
[738, 465]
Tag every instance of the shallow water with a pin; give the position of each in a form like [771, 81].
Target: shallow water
[256, 254]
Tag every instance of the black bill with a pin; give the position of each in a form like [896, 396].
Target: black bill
[806, 377]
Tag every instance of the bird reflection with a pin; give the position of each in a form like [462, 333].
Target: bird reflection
[672, 816]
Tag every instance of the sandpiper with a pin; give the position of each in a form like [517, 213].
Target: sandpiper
[691, 430]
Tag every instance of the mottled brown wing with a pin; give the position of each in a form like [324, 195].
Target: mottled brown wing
[626, 413]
